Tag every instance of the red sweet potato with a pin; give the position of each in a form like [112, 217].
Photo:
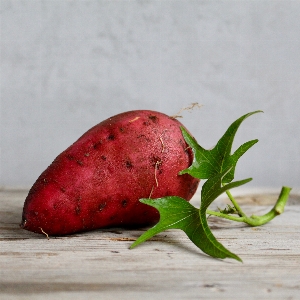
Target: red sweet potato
[97, 182]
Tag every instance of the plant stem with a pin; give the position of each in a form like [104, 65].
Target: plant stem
[235, 204]
[275, 211]
[225, 216]
[256, 220]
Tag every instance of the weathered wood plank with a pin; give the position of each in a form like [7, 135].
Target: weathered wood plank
[99, 265]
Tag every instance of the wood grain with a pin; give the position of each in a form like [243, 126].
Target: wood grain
[99, 265]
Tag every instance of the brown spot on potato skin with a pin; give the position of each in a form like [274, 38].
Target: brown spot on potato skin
[153, 118]
[102, 206]
[124, 203]
[144, 137]
[79, 162]
[156, 161]
[77, 210]
[103, 157]
[70, 157]
[111, 137]
[128, 164]
[97, 144]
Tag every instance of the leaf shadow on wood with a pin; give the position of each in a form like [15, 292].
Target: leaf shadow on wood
[179, 245]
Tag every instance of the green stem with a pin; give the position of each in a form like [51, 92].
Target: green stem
[225, 216]
[235, 204]
[275, 211]
[257, 220]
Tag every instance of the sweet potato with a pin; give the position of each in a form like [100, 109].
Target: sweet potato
[97, 181]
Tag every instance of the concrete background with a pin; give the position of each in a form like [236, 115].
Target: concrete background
[67, 65]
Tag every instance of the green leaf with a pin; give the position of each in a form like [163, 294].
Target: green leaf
[210, 191]
[177, 213]
[207, 163]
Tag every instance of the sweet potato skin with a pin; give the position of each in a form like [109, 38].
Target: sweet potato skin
[97, 181]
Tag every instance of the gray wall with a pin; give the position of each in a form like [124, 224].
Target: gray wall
[67, 65]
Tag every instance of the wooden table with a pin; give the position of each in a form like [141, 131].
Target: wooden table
[99, 265]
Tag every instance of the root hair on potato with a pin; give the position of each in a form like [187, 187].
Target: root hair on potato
[151, 192]
[188, 108]
[155, 171]
[136, 118]
[46, 234]
[162, 142]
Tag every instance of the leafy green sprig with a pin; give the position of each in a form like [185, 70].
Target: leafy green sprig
[218, 167]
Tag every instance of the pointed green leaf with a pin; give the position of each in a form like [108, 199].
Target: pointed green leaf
[210, 191]
[207, 163]
[177, 213]
[232, 160]
[213, 188]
